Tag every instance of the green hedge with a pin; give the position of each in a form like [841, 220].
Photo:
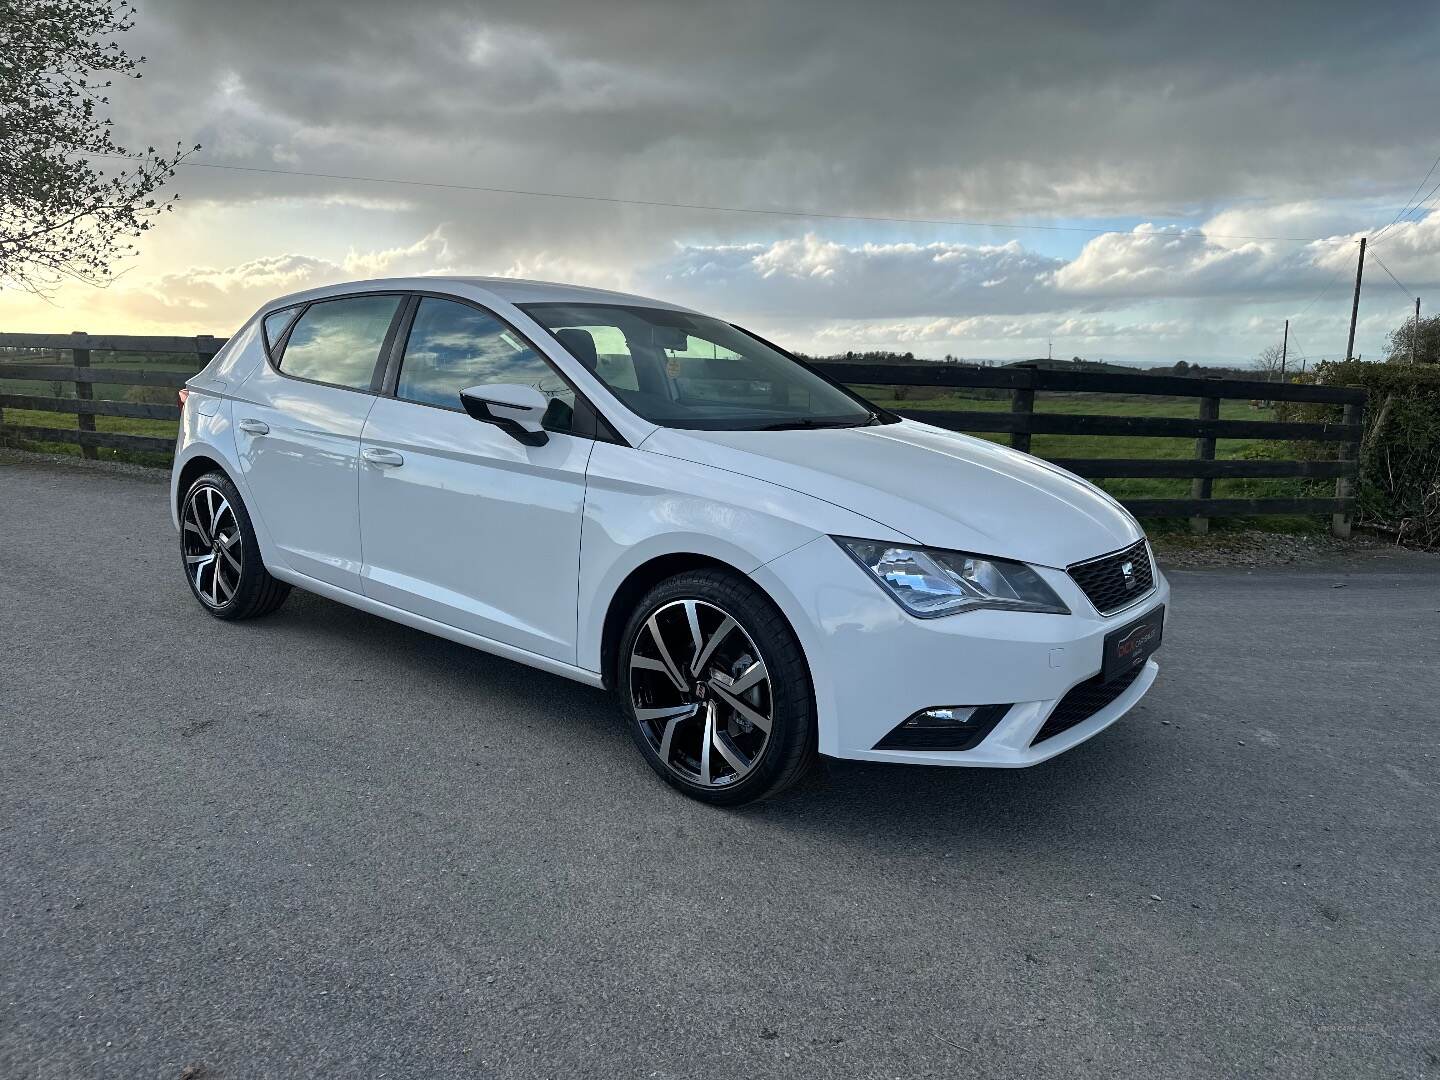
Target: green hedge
[1399, 489]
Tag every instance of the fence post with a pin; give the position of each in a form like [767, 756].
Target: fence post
[1022, 401]
[1344, 485]
[1201, 486]
[84, 391]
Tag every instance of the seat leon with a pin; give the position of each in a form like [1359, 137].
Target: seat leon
[759, 564]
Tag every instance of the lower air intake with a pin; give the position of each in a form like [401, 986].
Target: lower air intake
[1083, 701]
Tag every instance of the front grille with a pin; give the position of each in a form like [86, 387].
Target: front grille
[1084, 701]
[1107, 585]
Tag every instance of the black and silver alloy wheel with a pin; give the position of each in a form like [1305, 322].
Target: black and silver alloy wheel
[715, 688]
[221, 555]
[701, 692]
[213, 552]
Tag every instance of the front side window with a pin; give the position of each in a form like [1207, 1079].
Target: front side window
[683, 370]
[453, 346]
[339, 341]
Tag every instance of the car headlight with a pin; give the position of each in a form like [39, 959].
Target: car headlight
[931, 582]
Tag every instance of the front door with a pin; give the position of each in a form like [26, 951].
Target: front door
[298, 434]
[462, 523]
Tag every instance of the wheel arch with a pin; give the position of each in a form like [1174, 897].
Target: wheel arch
[636, 584]
[195, 467]
[650, 573]
[199, 456]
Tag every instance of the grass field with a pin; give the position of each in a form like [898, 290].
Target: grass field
[164, 429]
[1047, 446]
[1133, 446]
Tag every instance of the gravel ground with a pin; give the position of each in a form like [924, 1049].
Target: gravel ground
[321, 844]
[1258, 548]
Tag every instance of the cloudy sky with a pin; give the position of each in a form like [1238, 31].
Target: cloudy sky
[1188, 175]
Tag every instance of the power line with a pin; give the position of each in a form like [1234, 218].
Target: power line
[1418, 206]
[1336, 275]
[1406, 208]
[714, 208]
[1296, 339]
[1325, 289]
[1194, 234]
[1408, 294]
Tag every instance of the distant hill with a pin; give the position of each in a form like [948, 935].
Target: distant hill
[878, 357]
[1183, 367]
[1075, 363]
[884, 357]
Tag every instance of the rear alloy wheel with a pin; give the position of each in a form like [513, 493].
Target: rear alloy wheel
[214, 556]
[221, 555]
[716, 689]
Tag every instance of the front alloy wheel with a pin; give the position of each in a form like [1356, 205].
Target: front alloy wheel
[701, 693]
[716, 688]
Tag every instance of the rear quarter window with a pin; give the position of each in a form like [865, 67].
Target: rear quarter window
[338, 341]
[276, 323]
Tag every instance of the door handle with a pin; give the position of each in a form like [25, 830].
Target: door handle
[376, 456]
[254, 427]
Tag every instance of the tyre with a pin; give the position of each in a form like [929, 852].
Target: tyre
[220, 554]
[715, 690]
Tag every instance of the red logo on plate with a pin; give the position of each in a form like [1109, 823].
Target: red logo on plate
[1134, 642]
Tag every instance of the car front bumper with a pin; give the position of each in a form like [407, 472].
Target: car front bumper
[874, 665]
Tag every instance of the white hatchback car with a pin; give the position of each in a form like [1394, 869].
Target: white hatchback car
[758, 562]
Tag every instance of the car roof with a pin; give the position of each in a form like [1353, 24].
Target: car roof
[507, 289]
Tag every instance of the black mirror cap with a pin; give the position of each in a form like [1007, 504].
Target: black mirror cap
[480, 410]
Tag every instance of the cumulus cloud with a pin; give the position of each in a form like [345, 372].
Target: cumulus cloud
[1149, 262]
[813, 276]
[991, 329]
[217, 299]
[810, 275]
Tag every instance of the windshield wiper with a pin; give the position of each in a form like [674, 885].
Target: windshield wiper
[808, 422]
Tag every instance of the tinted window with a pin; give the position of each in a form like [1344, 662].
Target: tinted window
[275, 324]
[453, 346]
[685, 370]
[612, 359]
[338, 341]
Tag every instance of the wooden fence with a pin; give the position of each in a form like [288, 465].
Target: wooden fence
[1021, 422]
[84, 405]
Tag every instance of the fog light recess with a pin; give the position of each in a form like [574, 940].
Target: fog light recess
[944, 727]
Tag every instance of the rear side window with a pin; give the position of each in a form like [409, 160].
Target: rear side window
[339, 341]
[275, 325]
[453, 346]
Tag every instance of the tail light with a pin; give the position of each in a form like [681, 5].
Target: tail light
[184, 395]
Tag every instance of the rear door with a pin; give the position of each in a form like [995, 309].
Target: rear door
[298, 421]
[461, 522]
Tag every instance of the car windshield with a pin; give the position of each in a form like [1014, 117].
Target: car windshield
[682, 370]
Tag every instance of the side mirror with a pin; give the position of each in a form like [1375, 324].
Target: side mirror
[517, 410]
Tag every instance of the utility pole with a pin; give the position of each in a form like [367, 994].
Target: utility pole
[1355, 306]
[1415, 337]
[1284, 349]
